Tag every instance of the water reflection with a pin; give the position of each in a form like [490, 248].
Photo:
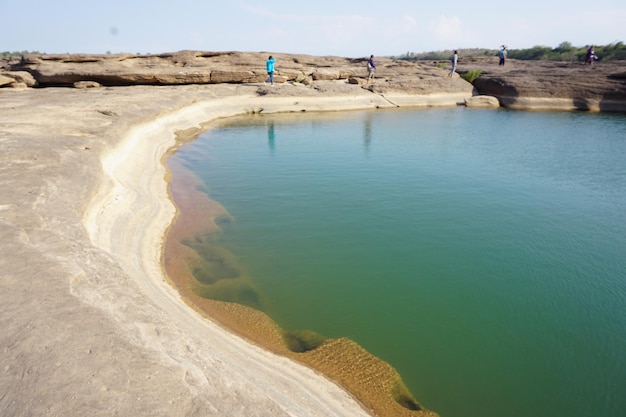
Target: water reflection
[367, 132]
[271, 138]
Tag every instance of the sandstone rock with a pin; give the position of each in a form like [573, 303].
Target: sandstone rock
[5, 81]
[280, 79]
[545, 80]
[220, 76]
[482, 102]
[183, 77]
[21, 77]
[195, 67]
[603, 85]
[18, 85]
[87, 84]
[303, 79]
[344, 74]
[325, 74]
[292, 74]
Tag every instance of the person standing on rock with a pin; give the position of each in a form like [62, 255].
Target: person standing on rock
[270, 69]
[503, 54]
[371, 67]
[454, 58]
[591, 56]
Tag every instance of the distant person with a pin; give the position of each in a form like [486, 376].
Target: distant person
[270, 69]
[454, 58]
[371, 67]
[502, 55]
[591, 56]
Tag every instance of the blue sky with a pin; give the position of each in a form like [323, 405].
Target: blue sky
[348, 28]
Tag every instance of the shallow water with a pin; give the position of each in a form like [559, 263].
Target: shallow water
[481, 253]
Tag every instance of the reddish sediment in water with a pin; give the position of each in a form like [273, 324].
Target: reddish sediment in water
[375, 383]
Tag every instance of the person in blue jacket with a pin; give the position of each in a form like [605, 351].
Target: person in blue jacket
[270, 69]
[503, 54]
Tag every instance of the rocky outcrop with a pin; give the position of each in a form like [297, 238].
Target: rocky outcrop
[83, 85]
[16, 79]
[4, 80]
[552, 85]
[195, 67]
[482, 101]
[185, 67]
[518, 84]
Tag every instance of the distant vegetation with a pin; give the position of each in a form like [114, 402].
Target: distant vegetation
[7, 54]
[564, 52]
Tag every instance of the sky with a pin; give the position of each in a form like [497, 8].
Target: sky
[347, 28]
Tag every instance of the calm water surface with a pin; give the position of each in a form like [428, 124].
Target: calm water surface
[481, 253]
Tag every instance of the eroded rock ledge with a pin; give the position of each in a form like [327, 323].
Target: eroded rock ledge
[543, 85]
[196, 67]
[519, 84]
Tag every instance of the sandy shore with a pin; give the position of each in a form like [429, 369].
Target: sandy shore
[89, 324]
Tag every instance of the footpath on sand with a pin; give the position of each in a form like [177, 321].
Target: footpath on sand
[89, 323]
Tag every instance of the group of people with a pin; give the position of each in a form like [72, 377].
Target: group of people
[371, 65]
[271, 61]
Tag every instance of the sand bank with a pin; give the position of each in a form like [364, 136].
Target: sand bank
[90, 325]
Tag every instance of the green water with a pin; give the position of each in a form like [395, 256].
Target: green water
[481, 253]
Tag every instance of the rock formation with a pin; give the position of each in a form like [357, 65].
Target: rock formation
[519, 84]
[193, 67]
[552, 85]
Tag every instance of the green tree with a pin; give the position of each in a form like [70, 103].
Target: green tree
[564, 47]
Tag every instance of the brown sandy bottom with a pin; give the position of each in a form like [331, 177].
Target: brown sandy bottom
[204, 274]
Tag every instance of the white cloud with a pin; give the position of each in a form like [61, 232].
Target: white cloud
[447, 28]
[294, 18]
[331, 34]
[408, 24]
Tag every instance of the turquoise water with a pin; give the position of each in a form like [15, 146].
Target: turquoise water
[481, 253]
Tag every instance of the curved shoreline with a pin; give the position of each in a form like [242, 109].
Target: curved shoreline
[562, 104]
[135, 184]
[138, 187]
[90, 324]
[372, 381]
